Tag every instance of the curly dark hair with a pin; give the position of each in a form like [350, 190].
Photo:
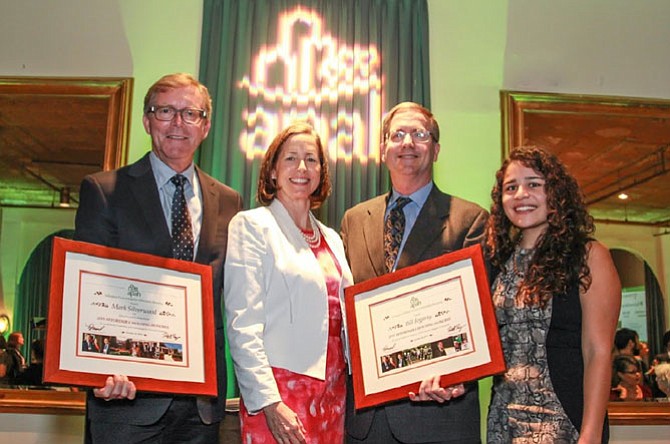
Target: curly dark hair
[560, 256]
[267, 187]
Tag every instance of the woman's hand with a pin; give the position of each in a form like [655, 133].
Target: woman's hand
[116, 387]
[430, 390]
[621, 392]
[284, 424]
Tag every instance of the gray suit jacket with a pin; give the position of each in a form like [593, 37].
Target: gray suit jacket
[121, 209]
[445, 224]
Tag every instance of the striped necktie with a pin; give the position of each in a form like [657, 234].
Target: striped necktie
[394, 228]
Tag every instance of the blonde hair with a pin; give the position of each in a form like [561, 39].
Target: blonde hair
[178, 80]
[433, 127]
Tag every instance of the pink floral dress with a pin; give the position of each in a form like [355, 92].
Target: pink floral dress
[319, 404]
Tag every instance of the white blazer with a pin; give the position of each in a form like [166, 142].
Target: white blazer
[276, 301]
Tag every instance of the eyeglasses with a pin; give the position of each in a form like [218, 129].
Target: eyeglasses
[188, 115]
[416, 135]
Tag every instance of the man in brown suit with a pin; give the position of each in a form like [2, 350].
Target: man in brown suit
[435, 223]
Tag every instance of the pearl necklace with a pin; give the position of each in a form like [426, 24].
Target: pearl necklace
[314, 239]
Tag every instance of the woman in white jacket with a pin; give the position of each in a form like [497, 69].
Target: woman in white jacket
[284, 278]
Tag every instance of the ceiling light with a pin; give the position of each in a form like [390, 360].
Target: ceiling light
[623, 196]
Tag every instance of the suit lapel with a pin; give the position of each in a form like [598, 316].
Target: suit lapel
[145, 191]
[429, 226]
[210, 210]
[373, 232]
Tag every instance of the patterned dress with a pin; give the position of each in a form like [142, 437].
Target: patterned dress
[524, 407]
[319, 404]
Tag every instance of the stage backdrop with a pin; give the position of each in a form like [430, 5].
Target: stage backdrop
[340, 64]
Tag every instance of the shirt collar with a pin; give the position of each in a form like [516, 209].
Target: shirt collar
[164, 173]
[418, 197]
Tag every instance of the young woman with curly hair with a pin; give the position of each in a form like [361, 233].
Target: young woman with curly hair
[557, 297]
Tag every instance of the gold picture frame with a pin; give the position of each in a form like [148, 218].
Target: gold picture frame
[69, 99]
[612, 145]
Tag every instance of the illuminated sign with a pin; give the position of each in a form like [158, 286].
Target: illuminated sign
[309, 75]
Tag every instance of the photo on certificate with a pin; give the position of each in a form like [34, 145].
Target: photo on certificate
[435, 317]
[113, 311]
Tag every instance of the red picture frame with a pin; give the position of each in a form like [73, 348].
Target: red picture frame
[441, 272]
[63, 357]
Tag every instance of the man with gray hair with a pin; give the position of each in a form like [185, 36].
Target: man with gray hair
[162, 205]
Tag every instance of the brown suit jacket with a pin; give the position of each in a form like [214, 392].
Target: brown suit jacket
[122, 209]
[445, 224]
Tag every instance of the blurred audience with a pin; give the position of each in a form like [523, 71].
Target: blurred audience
[662, 372]
[12, 362]
[626, 342]
[643, 354]
[627, 383]
[33, 374]
[3, 368]
[664, 355]
[652, 374]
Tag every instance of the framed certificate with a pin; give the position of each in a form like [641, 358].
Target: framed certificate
[435, 317]
[113, 311]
